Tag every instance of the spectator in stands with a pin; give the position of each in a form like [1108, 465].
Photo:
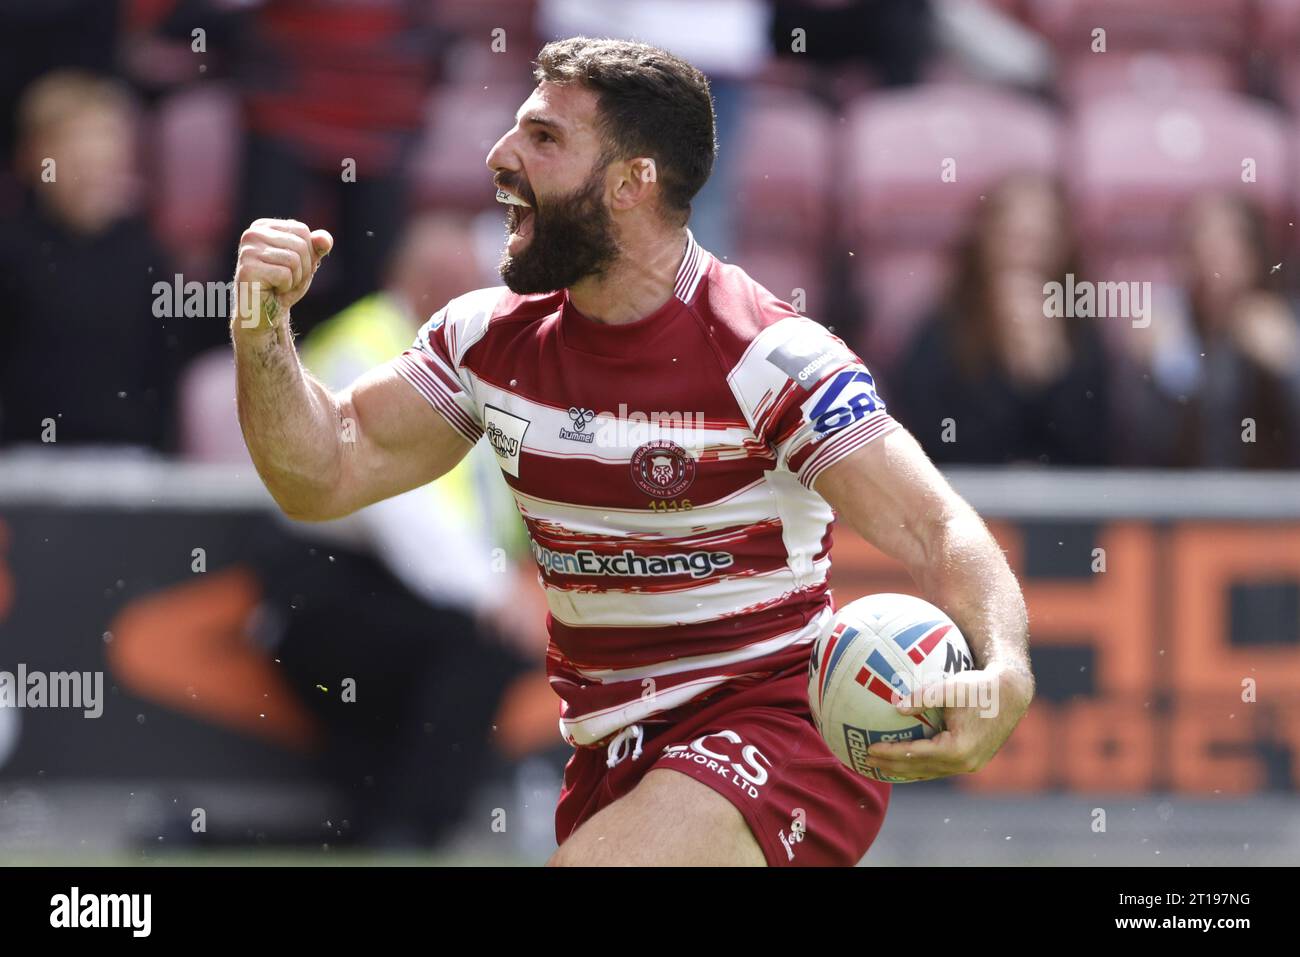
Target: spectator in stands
[334, 97]
[37, 37]
[1214, 381]
[892, 38]
[79, 342]
[992, 377]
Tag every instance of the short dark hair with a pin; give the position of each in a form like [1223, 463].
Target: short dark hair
[651, 103]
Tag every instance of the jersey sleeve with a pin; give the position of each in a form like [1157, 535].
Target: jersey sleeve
[432, 365]
[809, 397]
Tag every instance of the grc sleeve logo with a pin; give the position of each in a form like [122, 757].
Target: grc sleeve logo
[845, 399]
[505, 433]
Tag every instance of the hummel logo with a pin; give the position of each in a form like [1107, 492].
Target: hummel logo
[580, 419]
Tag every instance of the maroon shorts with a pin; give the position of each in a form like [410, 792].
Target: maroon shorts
[758, 748]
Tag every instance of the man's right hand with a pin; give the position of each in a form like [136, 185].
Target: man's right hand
[277, 259]
[322, 455]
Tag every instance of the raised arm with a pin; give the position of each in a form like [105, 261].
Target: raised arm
[895, 498]
[322, 455]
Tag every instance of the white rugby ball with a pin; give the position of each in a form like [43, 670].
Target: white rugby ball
[874, 650]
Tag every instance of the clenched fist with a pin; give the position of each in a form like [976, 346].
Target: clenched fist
[277, 259]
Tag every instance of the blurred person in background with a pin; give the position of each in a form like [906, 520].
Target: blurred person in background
[892, 39]
[328, 83]
[1018, 384]
[1222, 348]
[333, 95]
[37, 37]
[77, 269]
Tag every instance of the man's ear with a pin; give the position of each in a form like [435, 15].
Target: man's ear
[636, 183]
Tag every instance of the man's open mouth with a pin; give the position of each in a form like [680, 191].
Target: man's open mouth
[519, 213]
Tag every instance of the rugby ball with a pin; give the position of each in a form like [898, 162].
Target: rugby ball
[873, 651]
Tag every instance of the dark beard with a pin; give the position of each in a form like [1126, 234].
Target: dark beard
[572, 239]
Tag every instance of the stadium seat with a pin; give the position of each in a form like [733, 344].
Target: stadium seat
[899, 143]
[464, 122]
[472, 17]
[1277, 32]
[897, 291]
[1277, 24]
[1088, 76]
[784, 174]
[1136, 161]
[197, 153]
[473, 62]
[1156, 47]
[1221, 26]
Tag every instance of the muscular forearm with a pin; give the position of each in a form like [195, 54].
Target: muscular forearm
[896, 499]
[291, 422]
[962, 569]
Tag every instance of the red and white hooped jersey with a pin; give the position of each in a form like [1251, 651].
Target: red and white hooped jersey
[664, 469]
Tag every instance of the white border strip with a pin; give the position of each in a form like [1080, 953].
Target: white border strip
[111, 478]
[78, 480]
[1123, 493]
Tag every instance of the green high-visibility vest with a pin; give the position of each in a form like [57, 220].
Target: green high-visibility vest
[369, 333]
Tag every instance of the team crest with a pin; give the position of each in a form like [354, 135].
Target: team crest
[662, 469]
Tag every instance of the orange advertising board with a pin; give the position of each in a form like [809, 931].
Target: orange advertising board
[1167, 658]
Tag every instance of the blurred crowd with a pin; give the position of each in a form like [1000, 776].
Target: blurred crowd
[917, 174]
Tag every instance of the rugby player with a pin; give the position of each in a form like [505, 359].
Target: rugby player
[679, 442]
